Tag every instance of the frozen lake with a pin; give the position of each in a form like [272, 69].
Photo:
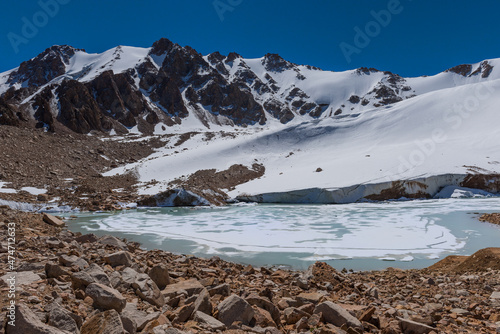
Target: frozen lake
[412, 234]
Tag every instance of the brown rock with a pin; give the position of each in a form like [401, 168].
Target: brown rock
[51, 220]
[234, 308]
[107, 322]
[159, 275]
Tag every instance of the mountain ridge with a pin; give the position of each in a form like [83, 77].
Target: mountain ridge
[129, 89]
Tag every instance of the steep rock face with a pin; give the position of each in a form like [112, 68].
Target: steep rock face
[79, 110]
[48, 65]
[9, 114]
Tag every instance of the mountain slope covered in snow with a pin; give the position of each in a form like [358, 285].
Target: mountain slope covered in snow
[321, 136]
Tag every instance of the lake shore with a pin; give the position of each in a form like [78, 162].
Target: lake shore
[82, 283]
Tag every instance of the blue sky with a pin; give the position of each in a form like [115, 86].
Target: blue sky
[417, 37]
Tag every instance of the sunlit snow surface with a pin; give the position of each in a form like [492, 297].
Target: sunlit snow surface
[400, 230]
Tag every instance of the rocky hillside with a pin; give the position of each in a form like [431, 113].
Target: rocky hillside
[73, 283]
[146, 89]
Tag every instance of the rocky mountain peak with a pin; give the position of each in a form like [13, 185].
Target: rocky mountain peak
[275, 63]
[40, 70]
[161, 46]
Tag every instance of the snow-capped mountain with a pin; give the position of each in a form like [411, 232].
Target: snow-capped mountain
[147, 89]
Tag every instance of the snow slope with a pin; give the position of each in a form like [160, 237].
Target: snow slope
[449, 131]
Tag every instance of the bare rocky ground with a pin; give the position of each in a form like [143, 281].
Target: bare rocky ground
[72, 283]
[493, 218]
[69, 166]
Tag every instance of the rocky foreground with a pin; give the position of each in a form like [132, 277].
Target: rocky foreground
[72, 283]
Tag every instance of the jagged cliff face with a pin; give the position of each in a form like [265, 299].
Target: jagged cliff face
[140, 88]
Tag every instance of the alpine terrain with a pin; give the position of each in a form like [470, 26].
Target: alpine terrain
[175, 127]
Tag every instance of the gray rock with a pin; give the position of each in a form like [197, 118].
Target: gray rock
[93, 274]
[460, 311]
[73, 260]
[144, 286]
[105, 297]
[208, 322]
[140, 318]
[107, 322]
[28, 322]
[337, 315]
[159, 275]
[495, 295]
[167, 329]
[129, 325]
[413, 327]
[33, 266]
[265, 304]
[234, 308]
[112, 241]
[59, 317]
[21, 278]
[121, 258]
[202, 302]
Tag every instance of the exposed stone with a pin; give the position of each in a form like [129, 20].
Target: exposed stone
[21, 278]
[191, 287]
[72, 260]
[27, 322]
[159, 275]
[208, 322]
[51, 220]
[234, 308]
[122, 258]
[60, 318]
[107, 322]
[105, 297]
[337, 315]
[202, 302]
[412, 327]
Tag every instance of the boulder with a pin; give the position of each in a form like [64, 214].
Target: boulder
[292, 315]
[122, 258]
[93, 274]
[190, 287]
[107, 322]
[112, 241]
[337, 315]
[235, 308]
[138, 317]
[105, 297]
[54, 221]
[28, 322]
[159, 275]
[21, 278]
[265, 304]
[412, 327]
[144, 286]
[202, 302]
[73, 260]
[53, 270]
[223, 290]
[60, 318]
[208, 322]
